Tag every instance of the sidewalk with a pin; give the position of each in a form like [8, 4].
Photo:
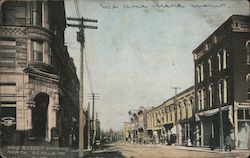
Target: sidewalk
[203, 149]
[74, 153]
[209, 150]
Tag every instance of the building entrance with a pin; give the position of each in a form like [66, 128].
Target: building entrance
[40, 115]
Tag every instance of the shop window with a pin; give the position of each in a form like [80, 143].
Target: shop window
[247, 114]
[13, 13]
[240, 114]
[37, 51]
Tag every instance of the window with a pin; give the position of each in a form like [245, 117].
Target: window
[224, 59]
[210, 67]
[201, 70]
[37, 51]
[210, 89]
[219, 61]
[37, 13]
[13, 13]
[225, 91]
[244, 114]
[200, 96]
[248, 52]
[247, 114]
[203, 98]
[219, 93]
[215, 39]
[8, 53]
[198, 73]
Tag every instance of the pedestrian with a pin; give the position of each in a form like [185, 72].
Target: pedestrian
[229, 143]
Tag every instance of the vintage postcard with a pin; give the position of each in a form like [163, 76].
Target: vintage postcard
[124, 78]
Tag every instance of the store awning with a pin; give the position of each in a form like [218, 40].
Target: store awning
[212, 112]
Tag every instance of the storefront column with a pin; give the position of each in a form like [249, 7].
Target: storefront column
[236, 125]
[202, 135]
[30, 105]
[52, 110]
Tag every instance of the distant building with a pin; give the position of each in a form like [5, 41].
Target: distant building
[138, 125]
[38, 84]
[125, 132]
[172, 121]
[222, 80]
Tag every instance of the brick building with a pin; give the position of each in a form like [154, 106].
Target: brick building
[222, 82]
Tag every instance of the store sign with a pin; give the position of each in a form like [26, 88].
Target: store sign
[8, 121]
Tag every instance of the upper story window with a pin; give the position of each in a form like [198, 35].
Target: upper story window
[210, 89]
[225, 91]
[8, 53]
[13, 13]
[219, 93]
[37, 51]
[219, 61]
[210, 67]
[248, 52]
[37, 13]
[224, 59]
[200, 72]
[199, 95]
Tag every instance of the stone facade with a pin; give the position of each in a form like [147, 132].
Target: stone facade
[38, 84]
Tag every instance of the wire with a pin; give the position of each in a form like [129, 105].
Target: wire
[85, 54]
[89, 72]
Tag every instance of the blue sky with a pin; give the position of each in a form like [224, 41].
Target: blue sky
[138, 53]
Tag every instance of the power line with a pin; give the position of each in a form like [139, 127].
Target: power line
[88, 68]
[89, 72]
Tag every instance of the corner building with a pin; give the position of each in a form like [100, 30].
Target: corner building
[38, 85]
[222, 81]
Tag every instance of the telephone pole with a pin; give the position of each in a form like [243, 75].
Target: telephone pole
[176, 117]
[94, 96]
[80, 38]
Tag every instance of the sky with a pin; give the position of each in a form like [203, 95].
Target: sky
[141, 49]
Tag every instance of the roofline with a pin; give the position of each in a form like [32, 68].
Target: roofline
[222, 25]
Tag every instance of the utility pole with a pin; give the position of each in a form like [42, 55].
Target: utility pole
[80, 38]
[94, 96]
[176, 117]
[89, 127]
[220, 100]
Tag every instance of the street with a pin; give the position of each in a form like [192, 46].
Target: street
[161, 151]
